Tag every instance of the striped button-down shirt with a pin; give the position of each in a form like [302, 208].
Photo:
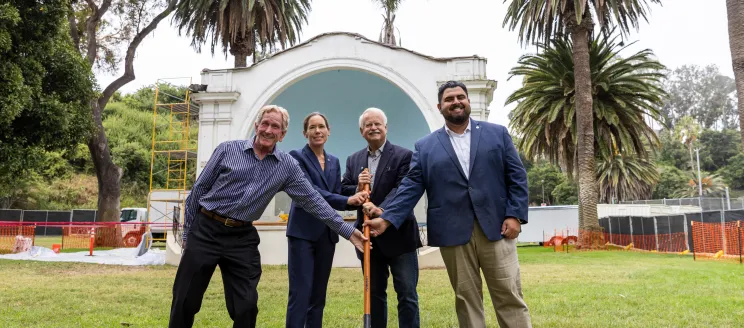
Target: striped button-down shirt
[238, 185]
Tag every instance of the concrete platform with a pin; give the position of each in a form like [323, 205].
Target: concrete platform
[274, 251]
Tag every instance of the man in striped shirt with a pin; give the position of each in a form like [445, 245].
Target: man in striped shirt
[233, 190]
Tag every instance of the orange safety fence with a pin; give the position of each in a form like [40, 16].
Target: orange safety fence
[672, 242]
[570, 240]
[105, 236]
[75, 235]
[718, 240]
[14, 239]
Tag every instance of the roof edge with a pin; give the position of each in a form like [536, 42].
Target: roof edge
[350, 34]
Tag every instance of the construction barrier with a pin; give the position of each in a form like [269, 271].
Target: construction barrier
[75, 235]
[707, 235]
[14, 239]
[717, 241]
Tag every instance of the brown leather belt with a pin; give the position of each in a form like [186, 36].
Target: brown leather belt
[226, 221]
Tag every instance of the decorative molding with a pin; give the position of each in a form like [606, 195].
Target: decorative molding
[215, 97]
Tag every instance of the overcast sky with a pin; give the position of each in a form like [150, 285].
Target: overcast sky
[681, 32]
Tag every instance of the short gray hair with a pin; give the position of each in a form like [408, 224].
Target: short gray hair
[372, 110]
[277, 109]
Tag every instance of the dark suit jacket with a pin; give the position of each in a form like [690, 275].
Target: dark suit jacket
[302, 224]
[496, 188]
[391, 169]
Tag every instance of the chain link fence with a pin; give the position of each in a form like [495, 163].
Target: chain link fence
[708, 203]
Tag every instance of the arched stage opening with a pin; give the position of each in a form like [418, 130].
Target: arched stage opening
[343, 95]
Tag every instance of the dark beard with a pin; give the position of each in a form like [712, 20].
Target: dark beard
[456, 120]
[459, 120]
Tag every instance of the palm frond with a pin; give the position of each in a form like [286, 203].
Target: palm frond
[626, 95]
[622, 177]
[242, 23]
[542, 20]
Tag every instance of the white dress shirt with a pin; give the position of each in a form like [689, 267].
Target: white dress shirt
[461, 144]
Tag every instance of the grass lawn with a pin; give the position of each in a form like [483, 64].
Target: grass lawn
[597, 289]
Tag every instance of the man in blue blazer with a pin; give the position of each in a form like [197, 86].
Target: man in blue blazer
[395, 252]
[476, 187]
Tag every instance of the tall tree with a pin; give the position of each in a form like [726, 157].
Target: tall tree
[387, 33]
[735, 10]
[687, 131]
[718, 147]
[98, 28]
[701, 93]
[544, 19]
[45, 88]
[242, 25]
[626, 99]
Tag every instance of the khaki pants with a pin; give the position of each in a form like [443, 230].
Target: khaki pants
[500, 266]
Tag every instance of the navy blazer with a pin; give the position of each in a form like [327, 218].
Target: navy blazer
[393, 165]
[302, 224]
[496, 189]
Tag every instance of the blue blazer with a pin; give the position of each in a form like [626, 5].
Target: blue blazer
[392, 167]
[302, 224]
[496, 189]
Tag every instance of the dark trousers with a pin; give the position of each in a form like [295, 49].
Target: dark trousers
[309, 267]
[405, 271]
[235, 250]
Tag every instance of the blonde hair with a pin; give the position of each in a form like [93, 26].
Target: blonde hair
[277, 109]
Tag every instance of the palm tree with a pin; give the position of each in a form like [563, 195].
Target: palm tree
[625, 177]
[241, 25]
[735, 9]
[387, 34]
[626, 94]
[687, 131]
[545, 19]
[712, 184]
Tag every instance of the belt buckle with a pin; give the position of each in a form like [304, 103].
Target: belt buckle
[227, 220]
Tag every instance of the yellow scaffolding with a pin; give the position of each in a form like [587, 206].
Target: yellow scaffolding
[173, 158]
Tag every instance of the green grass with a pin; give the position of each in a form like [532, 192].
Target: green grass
[589, 289]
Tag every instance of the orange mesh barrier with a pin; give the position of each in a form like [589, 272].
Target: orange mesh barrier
[104, 236]
[644, 242]
[717, 241]
[673, 242]
[15, 238]
[734, 237]
[707, 237]
[75, 235]
[587, 241]
[619, 239]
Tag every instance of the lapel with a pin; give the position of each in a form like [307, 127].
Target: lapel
[328, 173]
[474, 138]
[387, 153]
[314, 162]
[444, 140]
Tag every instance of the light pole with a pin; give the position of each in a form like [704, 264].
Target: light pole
[542, 184]
[700, 181]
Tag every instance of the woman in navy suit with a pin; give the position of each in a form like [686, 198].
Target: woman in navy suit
[311, 243]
